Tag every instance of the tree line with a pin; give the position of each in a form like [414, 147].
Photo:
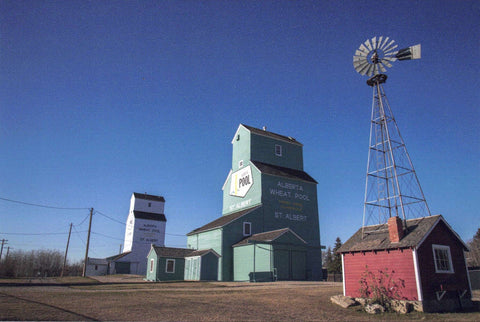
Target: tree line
[473, 256]
[37, 263]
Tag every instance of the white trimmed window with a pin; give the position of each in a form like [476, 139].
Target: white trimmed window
[278, 150]
[442, 259]
[247, 229]
[170, 266]
[151, 265]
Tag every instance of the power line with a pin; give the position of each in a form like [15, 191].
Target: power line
[42, 206]
[113, 219]
[36, 234]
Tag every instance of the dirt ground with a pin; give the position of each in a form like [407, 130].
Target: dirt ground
[129, 298]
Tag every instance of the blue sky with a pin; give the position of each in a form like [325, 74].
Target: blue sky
[104, 98]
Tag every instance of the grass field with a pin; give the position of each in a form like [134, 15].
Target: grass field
[127, 298]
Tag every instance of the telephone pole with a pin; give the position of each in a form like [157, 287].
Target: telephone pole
[66, 251]
[4, 241]
[88, 243]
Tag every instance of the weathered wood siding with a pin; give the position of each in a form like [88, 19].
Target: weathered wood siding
[398, 261]
[432, 281]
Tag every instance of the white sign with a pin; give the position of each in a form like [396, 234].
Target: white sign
[241, 182]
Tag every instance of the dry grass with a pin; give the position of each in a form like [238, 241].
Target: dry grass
[127, 299]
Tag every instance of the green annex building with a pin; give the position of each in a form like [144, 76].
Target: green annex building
[269, 228]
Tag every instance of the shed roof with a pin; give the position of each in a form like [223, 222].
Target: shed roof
[118, 256]
[376, 237]
[222, 221]
[203, 252]
[172, 252]
[146, 196]
[149, 216]
[276, 170]
[269, 134]
[268, 237]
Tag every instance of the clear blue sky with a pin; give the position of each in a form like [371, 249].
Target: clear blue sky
[99, 99]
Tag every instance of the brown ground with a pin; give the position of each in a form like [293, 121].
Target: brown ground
[127, 298]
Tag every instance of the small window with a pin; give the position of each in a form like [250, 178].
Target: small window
[149, 204]
[240, 163]
[96, 267]
[170, 266]
[442, 259]
[278, 150]
[151, 265]
[247, 229]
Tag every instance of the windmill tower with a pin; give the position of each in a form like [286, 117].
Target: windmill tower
[392, 187]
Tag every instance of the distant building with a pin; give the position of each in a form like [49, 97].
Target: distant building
[269, 228]
[146, 223]
[425, 253]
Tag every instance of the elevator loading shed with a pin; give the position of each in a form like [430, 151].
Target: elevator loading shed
[269, 228]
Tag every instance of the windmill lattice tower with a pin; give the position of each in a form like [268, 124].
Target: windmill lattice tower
[392, 187]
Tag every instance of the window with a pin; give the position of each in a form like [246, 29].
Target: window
[247, 229]
[170, 266]
[149, 204]
[151, 265]
[96, 267]
[442, 259]
[278, 150]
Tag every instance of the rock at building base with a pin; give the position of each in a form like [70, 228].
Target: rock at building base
[374, 308]
[402, 307]
[343, 301]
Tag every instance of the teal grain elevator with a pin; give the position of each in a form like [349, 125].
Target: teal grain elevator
[269, 228]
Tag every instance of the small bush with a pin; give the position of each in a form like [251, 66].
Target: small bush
[381, 287]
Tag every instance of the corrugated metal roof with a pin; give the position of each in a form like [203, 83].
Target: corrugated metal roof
[145, 196]
[172, 252]
[271, 134]
[377, 237]
[203, 252]
[283, 172]
[222, 221]
[149, 216]
[267, 237]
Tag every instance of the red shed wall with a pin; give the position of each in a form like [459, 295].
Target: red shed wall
[431, 281]
[399, 261]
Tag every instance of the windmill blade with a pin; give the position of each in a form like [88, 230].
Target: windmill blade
[367, 44]
[383, 46]
[386, 62]
[361, 53]
[364, 49]
[374, 42]
[360, 65]
[412, 52]
[390, 50]
[390, 59]
[382, 68]
[370, 70]
[364, 70]
[380, 39]
[387, 47]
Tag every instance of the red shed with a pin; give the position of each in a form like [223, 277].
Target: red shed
[424, 257]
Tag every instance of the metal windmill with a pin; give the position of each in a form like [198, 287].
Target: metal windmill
[392, 187]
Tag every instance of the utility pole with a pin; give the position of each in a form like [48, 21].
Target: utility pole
[120, 250]
[4, 241]
[88, 243]
[8, 251]
[66, 251]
